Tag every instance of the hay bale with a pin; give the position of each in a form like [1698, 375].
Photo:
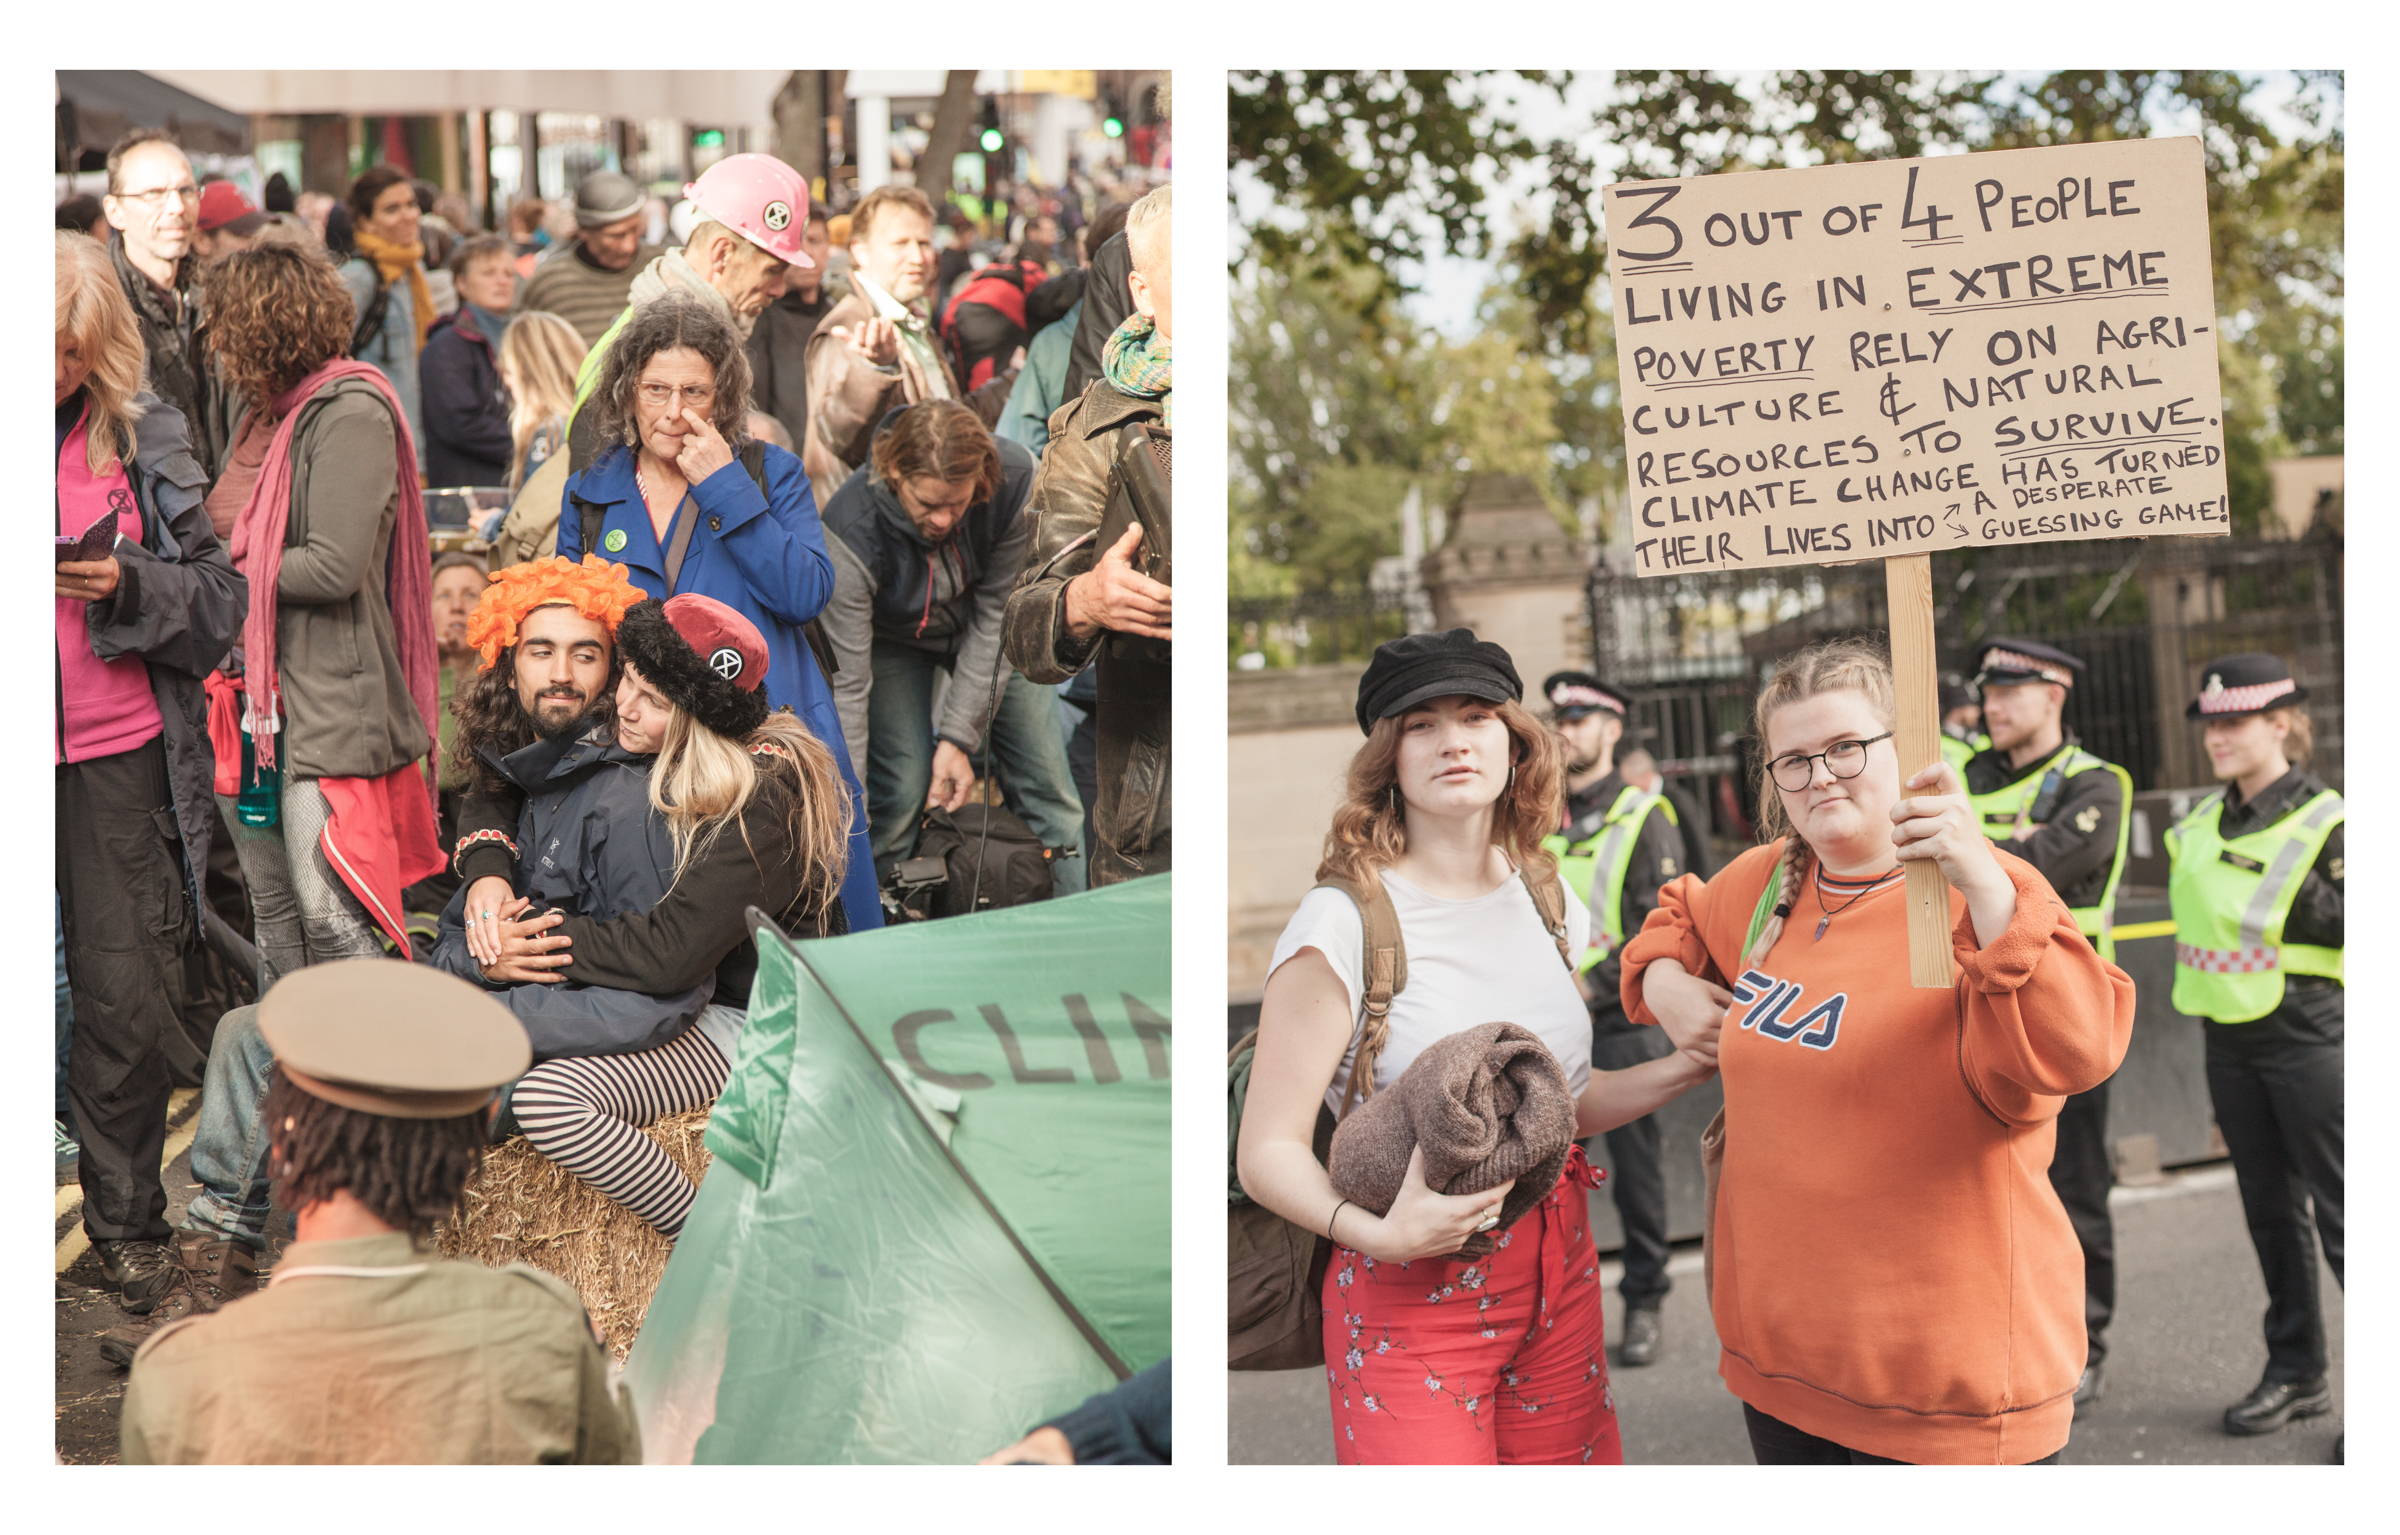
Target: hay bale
[524, 1208]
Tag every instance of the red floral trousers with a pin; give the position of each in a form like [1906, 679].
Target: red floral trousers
[1495, 1361]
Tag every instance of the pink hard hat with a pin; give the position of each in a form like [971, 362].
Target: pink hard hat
[759, 198]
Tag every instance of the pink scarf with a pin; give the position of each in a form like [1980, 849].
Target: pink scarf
[258, 534]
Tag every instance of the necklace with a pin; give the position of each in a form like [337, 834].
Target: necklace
[1881, 882]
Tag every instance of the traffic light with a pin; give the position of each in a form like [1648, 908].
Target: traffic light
[991, 141]
[1113, 126]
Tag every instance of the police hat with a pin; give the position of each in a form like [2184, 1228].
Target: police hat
[383, 1036]
[1407, 671]
[2006, 661]
[1573, 695]
[2244, 684]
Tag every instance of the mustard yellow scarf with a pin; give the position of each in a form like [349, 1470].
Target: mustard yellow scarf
[392, 261]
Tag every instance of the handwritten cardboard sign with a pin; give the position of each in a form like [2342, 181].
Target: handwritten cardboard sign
[1893, 357]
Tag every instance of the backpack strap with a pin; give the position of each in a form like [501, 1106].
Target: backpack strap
[1386, 972]
[1550, 900]
[371, 319]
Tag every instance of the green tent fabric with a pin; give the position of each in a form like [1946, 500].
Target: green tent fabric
[937, 1212]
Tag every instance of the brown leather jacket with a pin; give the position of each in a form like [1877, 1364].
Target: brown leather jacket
[848, 395]
[1133, 820]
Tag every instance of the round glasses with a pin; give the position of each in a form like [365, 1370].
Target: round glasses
[1843, 759]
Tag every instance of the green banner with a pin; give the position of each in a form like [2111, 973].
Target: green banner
[938, 1209]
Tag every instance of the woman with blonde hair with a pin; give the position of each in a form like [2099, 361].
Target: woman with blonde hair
[146, 603]
[1891, 1275]
[1432, 1358]
[539, 357]
[758, 816]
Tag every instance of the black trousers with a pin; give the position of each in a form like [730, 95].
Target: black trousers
[2277, 1087]
[1637, 1174]
[2082, 1172]
[1774, 1442]
[122, 904]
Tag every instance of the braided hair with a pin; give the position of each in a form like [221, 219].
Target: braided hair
[409, 1173]
[1829, 666]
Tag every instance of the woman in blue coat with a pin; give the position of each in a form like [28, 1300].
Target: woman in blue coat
[673, 500]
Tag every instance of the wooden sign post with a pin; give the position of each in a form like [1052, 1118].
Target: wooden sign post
[1890, 357]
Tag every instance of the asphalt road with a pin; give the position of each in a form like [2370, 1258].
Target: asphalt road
[2184, 1347]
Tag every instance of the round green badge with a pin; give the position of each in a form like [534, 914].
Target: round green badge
[615, 541]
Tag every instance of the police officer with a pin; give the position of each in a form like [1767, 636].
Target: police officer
[366, 1347]
[1962, 725]
[2257, 893]
[1619, 843]
[2068, 814]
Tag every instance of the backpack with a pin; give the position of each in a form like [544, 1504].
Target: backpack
[754, 462]
[990, 316]
[1274, 1270]
[1014, 866]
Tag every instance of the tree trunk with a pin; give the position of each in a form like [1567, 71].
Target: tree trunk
[952, 121]
[800, 123]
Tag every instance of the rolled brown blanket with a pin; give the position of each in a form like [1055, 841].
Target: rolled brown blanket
[1488, 1104]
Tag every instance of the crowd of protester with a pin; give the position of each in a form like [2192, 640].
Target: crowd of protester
[785, 564]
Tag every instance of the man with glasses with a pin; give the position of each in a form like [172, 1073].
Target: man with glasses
[153, 205]
[2067, 813]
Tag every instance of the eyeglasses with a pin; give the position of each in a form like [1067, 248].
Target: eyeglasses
[150, 199]
[1843, 759]
[693, 394]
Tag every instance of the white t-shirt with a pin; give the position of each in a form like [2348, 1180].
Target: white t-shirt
[1469, 962]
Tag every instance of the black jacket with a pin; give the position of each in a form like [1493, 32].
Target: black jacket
[1107, 300]
[179, 605]
[2076, 846]
[778, 350]
[587, 844]
[1658, 856]
[175, 352]
[467, 440]
[690, 936]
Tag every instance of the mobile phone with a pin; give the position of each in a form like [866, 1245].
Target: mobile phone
[95, 543]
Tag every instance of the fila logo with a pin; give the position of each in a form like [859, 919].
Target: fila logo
[1766, 1004]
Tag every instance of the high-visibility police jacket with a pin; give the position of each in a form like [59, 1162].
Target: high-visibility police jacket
[1959, 752]
[1594, 854]
[1999, 810]
[2231, 898]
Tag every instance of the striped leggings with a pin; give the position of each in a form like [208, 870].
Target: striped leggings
[584, 1113]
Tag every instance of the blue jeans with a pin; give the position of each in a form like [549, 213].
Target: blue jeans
[1028, 759]
[229, 1142]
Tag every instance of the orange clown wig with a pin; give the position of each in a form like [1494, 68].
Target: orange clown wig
[596, 589]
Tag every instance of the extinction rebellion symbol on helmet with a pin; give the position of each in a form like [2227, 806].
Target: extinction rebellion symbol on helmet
[726, 663]
[778, 215]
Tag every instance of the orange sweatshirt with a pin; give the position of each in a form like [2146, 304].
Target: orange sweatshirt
[1892, 1269]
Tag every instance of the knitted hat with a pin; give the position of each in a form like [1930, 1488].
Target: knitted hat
[703, 657]
[595, 588]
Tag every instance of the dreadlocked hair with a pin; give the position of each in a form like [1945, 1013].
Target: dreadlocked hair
[1829, 666]
[407, 1172]
[702, 782]
[490, 715]
[1370, 828]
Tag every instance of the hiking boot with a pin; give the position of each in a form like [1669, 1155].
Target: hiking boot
[209, 1272]
[140, 1272]
[1641, 1337]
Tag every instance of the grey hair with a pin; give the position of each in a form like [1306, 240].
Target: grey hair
[665, 323]
[1147, 229]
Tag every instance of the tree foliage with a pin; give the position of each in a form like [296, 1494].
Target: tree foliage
[1370, 172]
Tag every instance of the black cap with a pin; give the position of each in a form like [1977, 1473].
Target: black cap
[1955, 695]
[1407, 671]
[1572, 695]
[2006, 660]
[2232, 686]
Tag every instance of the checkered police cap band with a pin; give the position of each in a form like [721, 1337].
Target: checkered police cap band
[2220, 699]
[2013, 661]
[1569, 695]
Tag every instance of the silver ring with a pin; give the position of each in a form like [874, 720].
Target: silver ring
[1488, 1223]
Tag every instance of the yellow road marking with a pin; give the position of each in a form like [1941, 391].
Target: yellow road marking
[72, 1246]
[2132, 930]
